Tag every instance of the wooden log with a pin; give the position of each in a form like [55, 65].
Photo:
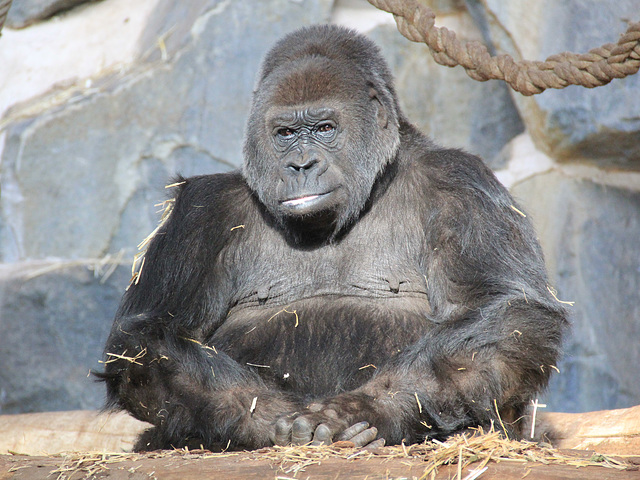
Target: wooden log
[616, 431]
[246, 466]
[77, 431]
[605, 431]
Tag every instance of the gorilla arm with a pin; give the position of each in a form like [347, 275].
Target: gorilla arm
[158, 364]
[497, 329]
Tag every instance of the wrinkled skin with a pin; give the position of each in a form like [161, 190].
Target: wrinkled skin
[355, 282]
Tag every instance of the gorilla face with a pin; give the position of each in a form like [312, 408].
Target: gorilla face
[308, 143]
[319, 134]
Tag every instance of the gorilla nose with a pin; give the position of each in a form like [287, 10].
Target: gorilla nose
[302, 164]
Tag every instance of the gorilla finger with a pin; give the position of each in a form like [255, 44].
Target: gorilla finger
[330, 413]
[322, 435]
[365, 437]
[376, 444]
[301, 431]
[283, 432]
[352, 431]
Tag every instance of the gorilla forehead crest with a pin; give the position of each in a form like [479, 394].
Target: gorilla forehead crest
[322, 60]
[310, 79]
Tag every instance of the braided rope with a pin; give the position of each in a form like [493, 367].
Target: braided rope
[592, 69]
[4, 10]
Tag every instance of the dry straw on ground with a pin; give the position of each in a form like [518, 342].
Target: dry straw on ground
[466, 450]
[462, 450]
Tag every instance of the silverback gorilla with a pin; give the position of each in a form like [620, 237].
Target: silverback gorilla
[353, 282]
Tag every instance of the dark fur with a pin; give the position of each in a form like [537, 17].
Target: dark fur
[417, 269]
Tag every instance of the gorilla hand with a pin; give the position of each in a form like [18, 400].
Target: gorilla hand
[321, 425]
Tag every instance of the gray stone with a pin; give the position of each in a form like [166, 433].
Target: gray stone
[590, 234]
[447, 105]
[445, 6]
[55, 319]
[599, 125]
[81, 179]
[26, 12]
[4, 11]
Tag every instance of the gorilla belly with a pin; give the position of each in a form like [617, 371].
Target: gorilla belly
[323, 345]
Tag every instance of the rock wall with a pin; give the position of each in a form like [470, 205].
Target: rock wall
[102, 104]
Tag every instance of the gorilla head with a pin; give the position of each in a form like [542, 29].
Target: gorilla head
[323, 126]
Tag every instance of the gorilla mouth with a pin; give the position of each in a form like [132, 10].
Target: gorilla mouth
[307, 204]
[294, 202]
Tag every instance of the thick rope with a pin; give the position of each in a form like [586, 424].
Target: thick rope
[592, 69]
[4, 10]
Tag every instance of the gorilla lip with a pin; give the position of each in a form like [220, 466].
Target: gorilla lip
[294, 202]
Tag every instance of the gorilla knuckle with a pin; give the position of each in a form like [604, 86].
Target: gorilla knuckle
[283, 426]
[301, 426]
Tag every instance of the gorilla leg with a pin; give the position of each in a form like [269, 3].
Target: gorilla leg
[480, 370]
[189, 391]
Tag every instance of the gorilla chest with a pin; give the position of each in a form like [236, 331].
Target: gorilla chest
[353, 305]
[370, 268]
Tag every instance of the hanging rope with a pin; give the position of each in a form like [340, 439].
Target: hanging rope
[592, 69]
[4, 10]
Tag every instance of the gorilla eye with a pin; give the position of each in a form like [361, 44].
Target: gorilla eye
[285, 132]
[326, 128]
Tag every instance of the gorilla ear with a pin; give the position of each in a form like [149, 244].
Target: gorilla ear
[382, 114]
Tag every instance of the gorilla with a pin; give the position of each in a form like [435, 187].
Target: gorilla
[354, 281]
